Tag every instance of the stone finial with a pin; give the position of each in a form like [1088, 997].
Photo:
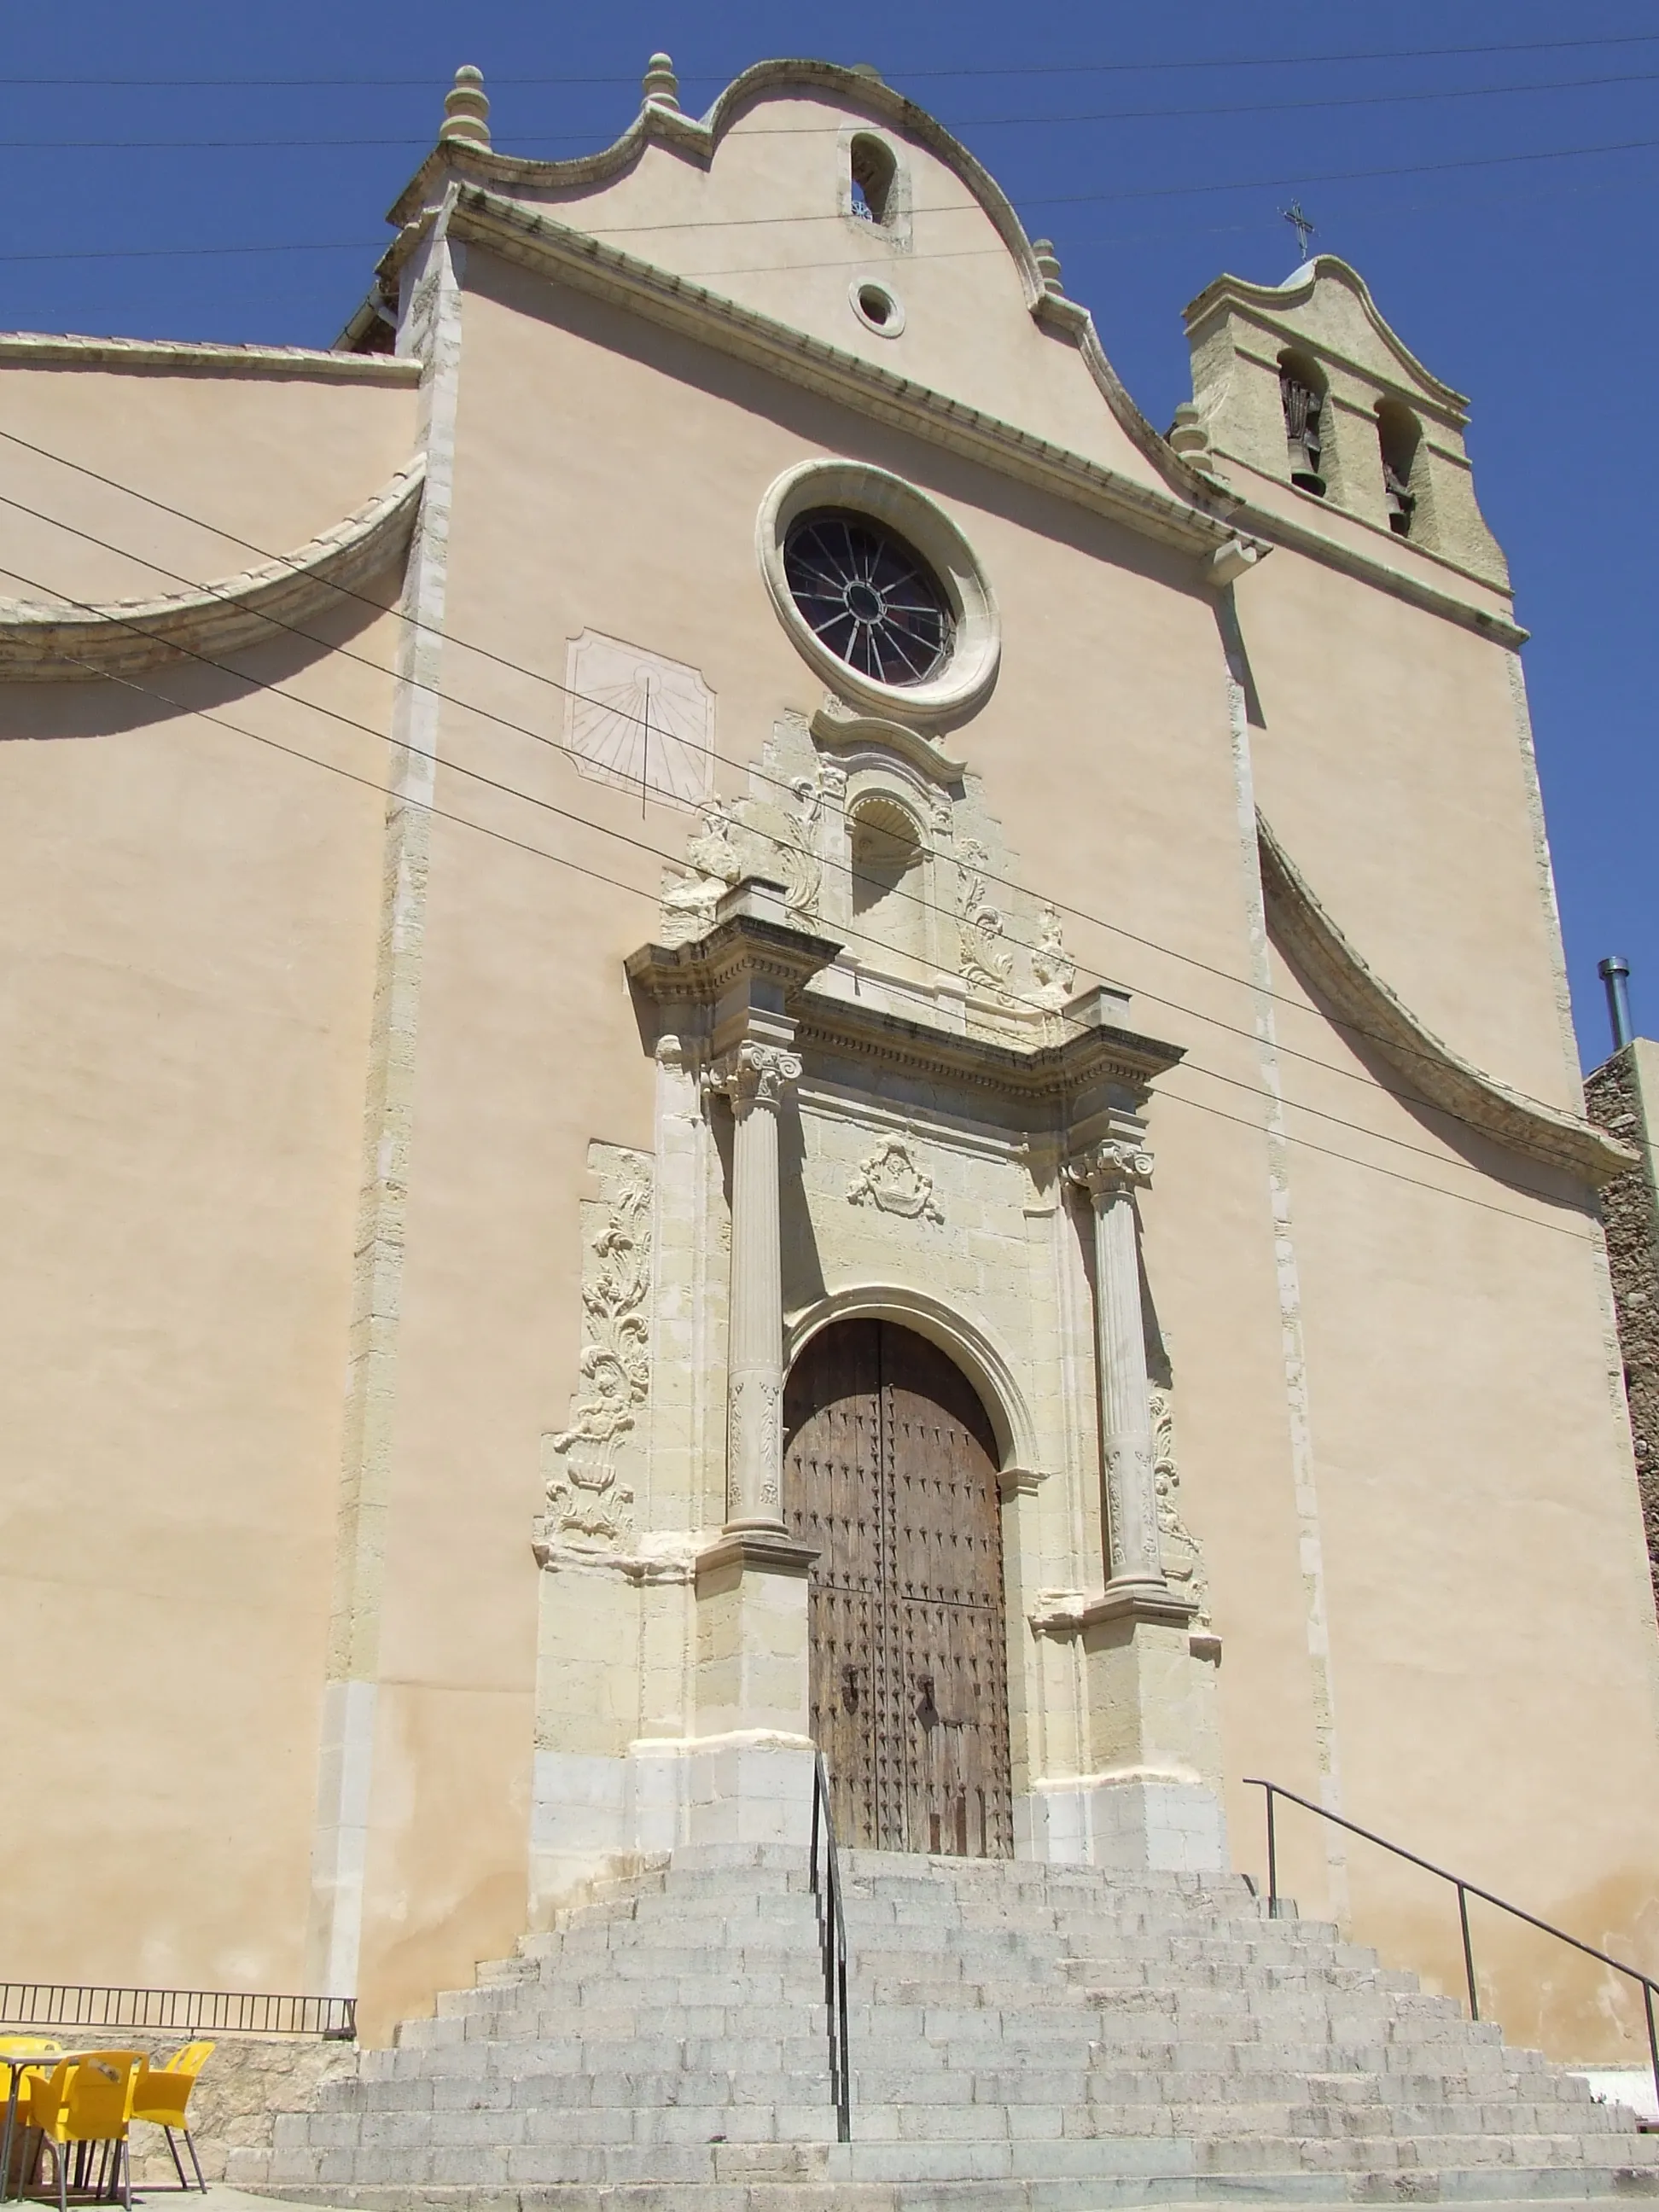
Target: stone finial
[466, 109]
[1048, 262]
[660, 87]
[1189, 435]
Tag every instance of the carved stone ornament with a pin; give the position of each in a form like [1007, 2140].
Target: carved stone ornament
[1051, 964]
[588, 1504]
[1114, 1165]
[985, 958]
[634, 719]
[1182, 1556]
[1128, 1471]
[751, 1430]
[712, 865]
[776, 836]
[889, 1180]
[754, 1075]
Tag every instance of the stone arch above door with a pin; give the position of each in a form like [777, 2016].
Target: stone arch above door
[988, 1371]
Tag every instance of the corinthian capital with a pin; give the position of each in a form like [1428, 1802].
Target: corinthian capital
[754, 1075]
[1112, 1166]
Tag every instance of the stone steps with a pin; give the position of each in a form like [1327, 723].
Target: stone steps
[1037, 2040]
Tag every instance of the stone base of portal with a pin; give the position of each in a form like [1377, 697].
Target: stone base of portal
[1124, 1824]
[748, 1786]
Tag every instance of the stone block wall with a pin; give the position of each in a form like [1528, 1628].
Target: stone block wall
[248, 2080]
[1623, 1096]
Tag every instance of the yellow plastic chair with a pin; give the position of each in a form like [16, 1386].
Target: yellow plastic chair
[161, 2098]
[84, 2101]
[17, 2115]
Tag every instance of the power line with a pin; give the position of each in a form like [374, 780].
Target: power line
[183, 252]
[961, 253]
[1143, 193]
[519, 729]
[1009, 69]
[670, 860]
[831, 129]
[595, 875]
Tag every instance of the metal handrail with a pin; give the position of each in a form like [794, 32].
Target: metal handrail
[1466, 1889]
[832, 1937]
[226, 2012]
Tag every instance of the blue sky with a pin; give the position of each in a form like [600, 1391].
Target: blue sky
[1526, 283]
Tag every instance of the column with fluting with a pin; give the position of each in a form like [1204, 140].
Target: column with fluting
[755, 1078]
[1111, 1171]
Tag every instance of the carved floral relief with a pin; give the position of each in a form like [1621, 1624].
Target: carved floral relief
[1183, 1557]
[588, 1503]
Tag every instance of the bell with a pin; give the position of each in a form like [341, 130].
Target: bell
[1303, 407]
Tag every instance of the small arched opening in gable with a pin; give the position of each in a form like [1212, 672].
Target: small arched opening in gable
[873, 173]
[1303, 396]
[1400, 437]
[890, 883]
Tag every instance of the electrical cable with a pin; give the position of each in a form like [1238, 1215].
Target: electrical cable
[378, 246]
[831, 129]
[671, 861]
[1007, 69]
[1001, 882]
[637, 890]
[184, 252]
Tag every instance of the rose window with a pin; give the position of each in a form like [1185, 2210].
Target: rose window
[867, 596]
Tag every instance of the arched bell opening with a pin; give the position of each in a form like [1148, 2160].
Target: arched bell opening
[891, 1468]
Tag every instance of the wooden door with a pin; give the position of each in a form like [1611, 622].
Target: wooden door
[890, 1472]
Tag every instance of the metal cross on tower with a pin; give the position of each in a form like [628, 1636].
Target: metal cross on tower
[1304, 228]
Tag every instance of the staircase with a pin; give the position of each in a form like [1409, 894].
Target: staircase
[1037, 2039]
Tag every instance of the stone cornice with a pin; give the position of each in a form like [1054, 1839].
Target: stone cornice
[1072, 1613]
[1053, 1074]
[743, 948]
[1268, 524]
[63, 641]
[167, 357]
[537, 241]
[1437, 1075]
[839, 730]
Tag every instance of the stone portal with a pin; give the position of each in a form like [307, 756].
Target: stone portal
[891, 1477]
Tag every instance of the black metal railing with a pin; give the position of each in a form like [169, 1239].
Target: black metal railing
[226, 2012]
[1466, 1889]
[832, 1939]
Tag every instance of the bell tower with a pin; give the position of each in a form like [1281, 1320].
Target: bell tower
[1304, 387]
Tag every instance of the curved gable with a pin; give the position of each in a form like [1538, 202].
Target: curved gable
[751, 201]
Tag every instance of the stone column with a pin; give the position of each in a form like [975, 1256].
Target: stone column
[1111, 1171]
[755, 1078]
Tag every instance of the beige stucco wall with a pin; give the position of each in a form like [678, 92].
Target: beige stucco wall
[244, 460]
[1394, 1416]
[189, 922]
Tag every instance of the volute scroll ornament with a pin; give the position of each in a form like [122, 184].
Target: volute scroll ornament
[754, 1074]
[1112, 1166]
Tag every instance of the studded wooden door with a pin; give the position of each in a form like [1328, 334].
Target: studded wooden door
[890, 1472]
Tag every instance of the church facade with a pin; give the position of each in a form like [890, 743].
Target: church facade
[740, 1029]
